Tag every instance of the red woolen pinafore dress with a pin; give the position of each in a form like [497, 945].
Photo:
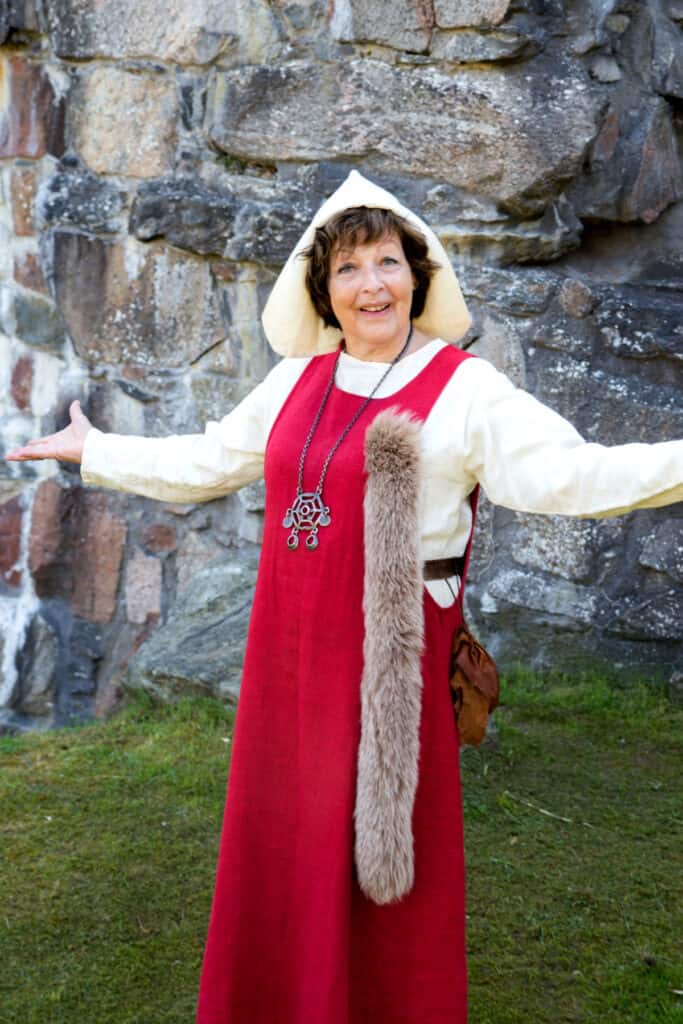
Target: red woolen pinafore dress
[292, 939]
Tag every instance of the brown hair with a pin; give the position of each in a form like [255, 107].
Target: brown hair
[360, 225]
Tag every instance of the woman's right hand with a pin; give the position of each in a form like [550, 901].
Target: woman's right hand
[66, 445]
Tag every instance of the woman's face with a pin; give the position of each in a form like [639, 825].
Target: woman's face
[371, 292]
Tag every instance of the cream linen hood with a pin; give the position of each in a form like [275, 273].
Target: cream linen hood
[290, 321]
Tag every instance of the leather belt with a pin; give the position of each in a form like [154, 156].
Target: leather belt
[441, 568]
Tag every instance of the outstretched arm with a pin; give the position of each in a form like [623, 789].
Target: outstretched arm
[528, 458]
[185, 467]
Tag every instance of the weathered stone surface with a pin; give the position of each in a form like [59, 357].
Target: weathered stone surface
[195, 33]
[605, 69]
[235, 221]
[402, 24]
[19, 15]
[571, 548]
[159, 537]
[200, 647]
[107, 102]
[641, 323]
[131, 304]
[481, 130]
[22, 380]
[656, 615]
[75, 549]
[511, 240]
[573, 605]
[143, 588]
[634, 171]
[29, 274]
[499, 343]
[193, 554]
[466, 13]
[31, 113]
[23, 193]
[667, 64]
[11, 516]
[469, 47]
[576, 299]
[35, 695]
[663, 549]
[73, 196]
[514, 292]
[37, 320]
[188, 214]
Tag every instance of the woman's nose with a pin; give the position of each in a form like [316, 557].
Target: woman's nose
[371, 280]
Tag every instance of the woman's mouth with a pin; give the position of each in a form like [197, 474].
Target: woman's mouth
[375, 310]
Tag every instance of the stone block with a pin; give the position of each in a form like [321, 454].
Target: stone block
[130, 304]
[106, 103]
[640, 323]
[37, 320]
[488, 132]
[159, 538]
[200, 649]
[73, 196]
[197, 33]
[75, 549]
[23, 186]
[663, 549]
[633, 170]
[29, 273]
[566, 547]
[573, 605]
[470, 13]
[401, 24]
[194, 554]
[11, 517]
[22, 382]
[31, 113]
[576, 298]
[471, 47]
[190, 215]
[656, 614]
[143, 588]
[35, 694]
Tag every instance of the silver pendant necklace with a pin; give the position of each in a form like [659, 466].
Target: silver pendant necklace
[308, 511]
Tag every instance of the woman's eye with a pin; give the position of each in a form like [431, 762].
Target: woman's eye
[344, 267]
[389, 259]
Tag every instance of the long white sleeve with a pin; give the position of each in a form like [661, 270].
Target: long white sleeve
[528, 458]
[194, 467]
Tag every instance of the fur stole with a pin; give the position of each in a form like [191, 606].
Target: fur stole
[391, 686]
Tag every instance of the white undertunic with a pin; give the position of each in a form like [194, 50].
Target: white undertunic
[481, 429]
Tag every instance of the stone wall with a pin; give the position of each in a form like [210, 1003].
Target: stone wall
[157, 163]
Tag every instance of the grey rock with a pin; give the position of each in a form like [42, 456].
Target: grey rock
[641, 323]
[466, 13]
[37, 320]
[189, 215]
[552, 601]
[522, 292]
[566, 547]
[201, 646]
[171, 32]
[510, 142]
[605, 69]
[124, 304]
[401, 24]
[471, 47]
[576, 299]
[633, 171]
[667, 62]
[37, 671]
[75, 197]
[651, 614]
[663, 549]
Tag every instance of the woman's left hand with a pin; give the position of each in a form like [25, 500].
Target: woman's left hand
[66, 445]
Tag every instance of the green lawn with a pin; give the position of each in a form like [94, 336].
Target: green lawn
[574, 818]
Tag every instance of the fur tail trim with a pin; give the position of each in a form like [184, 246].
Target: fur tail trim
[391, 686]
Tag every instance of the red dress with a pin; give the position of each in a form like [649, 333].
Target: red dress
[292, 939]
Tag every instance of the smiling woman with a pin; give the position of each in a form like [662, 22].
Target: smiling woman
[340, 890]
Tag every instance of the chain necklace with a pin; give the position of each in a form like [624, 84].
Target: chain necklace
[308, 511]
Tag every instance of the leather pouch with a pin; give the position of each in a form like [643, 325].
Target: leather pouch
[475, 686]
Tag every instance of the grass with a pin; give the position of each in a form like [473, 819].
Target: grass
[574, 828]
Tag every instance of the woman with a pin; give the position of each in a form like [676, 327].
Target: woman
[340, 886]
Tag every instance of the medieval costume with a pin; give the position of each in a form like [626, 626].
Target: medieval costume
[340, 892]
